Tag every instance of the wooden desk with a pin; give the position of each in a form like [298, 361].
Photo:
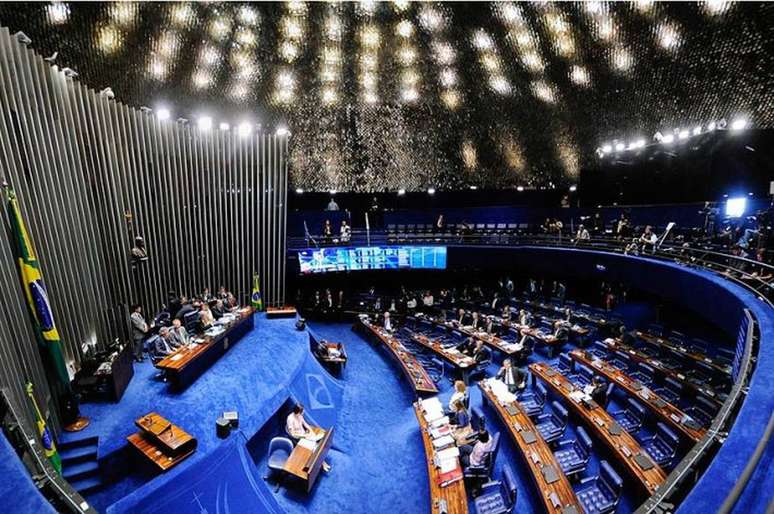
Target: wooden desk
[305, 464]
[414, 372]
[560, 490]
[722, 369]
[185, 364]
[598, 420]
[163, 443]
[454, 493]
[663, 409]
[639, 357]
[286, 311]
[453, 356]
[490, 340]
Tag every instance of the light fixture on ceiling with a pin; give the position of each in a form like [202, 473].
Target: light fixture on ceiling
[244, 129]
[401, 192]
[282, 131]
[204, 123]
[738, 124]
[224, 126]
[163, 113]
[431, 191]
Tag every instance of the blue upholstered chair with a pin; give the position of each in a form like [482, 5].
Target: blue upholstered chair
[573, 455]
[477, 419]
[600, 494]
[644, 374]
[498, 497]
[598, 349]
[704, 411]
[582, 376]
[662, 447]
[552, 425]
[534, 401]
[280, 449]
[621, 361]
[565, 364]
[671, 391]
[476, 475]
[631, 417]
[700, 346]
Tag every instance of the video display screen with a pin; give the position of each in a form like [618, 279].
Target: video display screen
[321, 260]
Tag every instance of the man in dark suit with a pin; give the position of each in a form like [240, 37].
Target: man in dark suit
[628, 338]
[480, 353]
[597, 390]
[185, 308]
[561, 332]
[163, 343]
[513, 377]
[468, 346]
[140, 330]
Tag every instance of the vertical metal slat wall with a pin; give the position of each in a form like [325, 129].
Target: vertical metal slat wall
[209, 204]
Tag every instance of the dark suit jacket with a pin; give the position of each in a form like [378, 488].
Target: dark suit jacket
[518, 375]
[599, 394]
[481, 355]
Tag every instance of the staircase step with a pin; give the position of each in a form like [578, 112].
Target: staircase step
[87, 485]
[77, 443]
[78, 454]
[80, 470]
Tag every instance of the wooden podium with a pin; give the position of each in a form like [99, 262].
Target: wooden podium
[163, 443]
[304, 464]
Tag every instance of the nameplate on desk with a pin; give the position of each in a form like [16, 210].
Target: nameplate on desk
[636, 385]
[550, 372]
[659, 403]
[528, 436]
[643, 461]
[614, 428]
[570, 509]
[511, 409]
[549, 474]
[176, 357]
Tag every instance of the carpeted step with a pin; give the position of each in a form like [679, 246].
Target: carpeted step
[78, 454]
[77, 443]
[87, 485]
[81, 470]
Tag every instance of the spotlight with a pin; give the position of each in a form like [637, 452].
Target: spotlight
[299, 191]
[640, 143]
[668, 139]
[520, 189]
[204, 123]
[711, 126]
[696, 131]
[619, 147]
[739, 124]
[473, 187]
[607, 148]
[22, 38]
[245, 129]
[332, 191]
[282, 131]
[401, 192]
[224, 126]
[163, 114]
[107, 93]
[431, 191]
[658, 136]
[684, 134]
[573, 188]
[735, 207]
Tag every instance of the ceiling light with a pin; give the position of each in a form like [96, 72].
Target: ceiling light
[711, 126]
[245, 128]
[401, 192]
[58, 13]
[607, 148]
[163, 114]
[299, 191]
[739, 124]
[520, 188]
[282, 131]
[224, 126]
[405, 28]
[619, 147]
[669, 138]
[696, 131]
[573, 188]
[684, 134]
[640, 143]
[204, 123]
[431, 191]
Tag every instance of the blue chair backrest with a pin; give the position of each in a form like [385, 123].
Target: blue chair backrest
[560, 413]
[667, 436]
[150, 344]
[610, 388]
[609, 481]
[584, 442]
[704, 404]
[636, 409]
[494, 452]
[541, 394]
[673, 385]
[566, 360]
[478, 420]
[586, 371]
[599, 345]
[622, 356]
[509, 481]
[425, 325]
[646, 369]
[457, 334]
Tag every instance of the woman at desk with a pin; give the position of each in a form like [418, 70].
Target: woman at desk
[297, 428]
[206, 318]
[461, 429]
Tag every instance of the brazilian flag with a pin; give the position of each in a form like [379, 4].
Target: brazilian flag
[48, 443]
[255, 300]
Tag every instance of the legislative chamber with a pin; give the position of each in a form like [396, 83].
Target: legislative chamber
[387, 256]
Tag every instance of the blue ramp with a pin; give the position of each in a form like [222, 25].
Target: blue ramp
[17, 491]
[224, 482]
[318, 391]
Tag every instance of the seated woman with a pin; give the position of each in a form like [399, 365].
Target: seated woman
[297, 428]
[459, 420]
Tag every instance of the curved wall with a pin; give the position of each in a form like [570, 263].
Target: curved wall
[709, 296]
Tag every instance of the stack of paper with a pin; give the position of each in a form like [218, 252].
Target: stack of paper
[500, 390]
[443, 442]
[440, 431]
[433, 409]
[308, 444]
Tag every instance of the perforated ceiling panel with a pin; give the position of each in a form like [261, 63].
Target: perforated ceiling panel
[382, 96]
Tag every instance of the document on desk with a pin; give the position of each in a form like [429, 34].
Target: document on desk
[308, 444]
[176, 357]
[448, 453]
[443, 441]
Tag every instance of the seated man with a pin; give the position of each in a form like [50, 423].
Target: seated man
[387, 322]
[474, 455]
[597, 390]
[511, 376]
[297, 428]
[162, 344]
[561, 332]
[217, 309]
[179, 333]
[480, 353]
[468, 346]
[185, 308]
[525, 318]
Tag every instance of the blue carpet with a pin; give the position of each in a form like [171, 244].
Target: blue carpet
[240, 380]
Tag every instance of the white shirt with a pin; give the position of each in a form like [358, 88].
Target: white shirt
[457, 396]
[296, 425]
[479, 452]
[428, 300]
[387, 324]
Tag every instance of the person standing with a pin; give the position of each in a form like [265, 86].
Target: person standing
[332, 205]
[139, 331]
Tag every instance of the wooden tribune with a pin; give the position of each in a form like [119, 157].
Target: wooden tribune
[305, 464]
[453, 494]
[188, 362]
[556, 496]
[412, 369]
[286, 311]
[163, 443]
[663, 409]
[600, 422]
